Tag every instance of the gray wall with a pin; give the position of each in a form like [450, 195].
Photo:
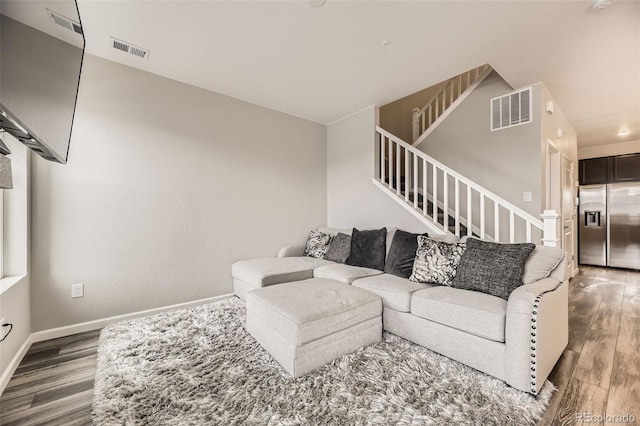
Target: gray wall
[507, 162]
[166, 186]
[352, 198]
[39, 82]
[397, 117]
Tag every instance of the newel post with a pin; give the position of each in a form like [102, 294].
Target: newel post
[550, 228]
[416, 123]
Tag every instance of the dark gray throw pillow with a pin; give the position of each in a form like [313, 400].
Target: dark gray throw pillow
[402, 253]
[492, 268]
[368, 248]
[339, 248]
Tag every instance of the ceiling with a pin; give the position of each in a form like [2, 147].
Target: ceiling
[34, 14]
[323, 63]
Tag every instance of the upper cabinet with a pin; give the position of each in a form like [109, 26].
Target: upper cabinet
[594, 170]
[623, 168]
[626, 168]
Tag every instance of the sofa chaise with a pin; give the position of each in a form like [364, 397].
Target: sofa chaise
[518, 340]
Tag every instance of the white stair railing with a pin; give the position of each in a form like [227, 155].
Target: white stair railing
[451, 94]
[447, 202]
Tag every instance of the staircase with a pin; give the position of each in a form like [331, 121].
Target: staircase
[449, 203]
[454, 91]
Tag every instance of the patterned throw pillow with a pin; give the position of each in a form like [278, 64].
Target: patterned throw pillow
[436, 261]
[317, 244]
[339, 248]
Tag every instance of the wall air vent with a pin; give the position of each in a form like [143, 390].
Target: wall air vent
[512, 109]
[65, 22]
[126, 47]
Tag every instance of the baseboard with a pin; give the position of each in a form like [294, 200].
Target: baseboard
[68, 330]
[54, 333]
[13, 365]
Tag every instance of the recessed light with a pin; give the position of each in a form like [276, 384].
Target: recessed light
[624, 132]
[601, 4]
[317, 3]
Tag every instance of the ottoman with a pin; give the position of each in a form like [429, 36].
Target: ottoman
[255, 273]
[306, 324]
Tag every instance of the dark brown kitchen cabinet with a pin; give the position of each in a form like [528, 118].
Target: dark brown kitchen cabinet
[594, 170]
[626, 168]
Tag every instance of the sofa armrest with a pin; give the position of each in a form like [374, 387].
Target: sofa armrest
[291, 251]
[537, 332]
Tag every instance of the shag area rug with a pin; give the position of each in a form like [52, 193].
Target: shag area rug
[199, 366]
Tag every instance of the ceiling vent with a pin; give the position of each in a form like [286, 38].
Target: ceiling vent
[65, 22]
[125, 47]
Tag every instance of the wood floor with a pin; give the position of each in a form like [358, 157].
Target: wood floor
[598, 374]
[53, 384]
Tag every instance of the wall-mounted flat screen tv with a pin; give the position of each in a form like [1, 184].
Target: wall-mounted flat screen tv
[42, 46]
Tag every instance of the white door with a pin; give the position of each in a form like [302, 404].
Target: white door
[568, 215]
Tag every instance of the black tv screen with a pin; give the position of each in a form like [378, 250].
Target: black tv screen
[42, 46]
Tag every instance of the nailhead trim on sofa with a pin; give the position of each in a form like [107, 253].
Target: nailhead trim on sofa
[534, 346]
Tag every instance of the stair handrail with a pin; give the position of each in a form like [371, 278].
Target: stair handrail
[477, 187]
[442, 93]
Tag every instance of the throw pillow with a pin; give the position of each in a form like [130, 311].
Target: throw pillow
[339, 248]
[317, 244]
[368, 248]
[436, 261]
[492, 268]
[402, 254]
[541, 263]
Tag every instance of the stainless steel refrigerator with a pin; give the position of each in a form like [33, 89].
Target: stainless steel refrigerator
[610, 225]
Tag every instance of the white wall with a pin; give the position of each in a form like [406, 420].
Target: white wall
[352, 198]
[166, 186]
[608, 150]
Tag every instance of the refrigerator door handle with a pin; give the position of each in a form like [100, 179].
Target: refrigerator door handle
[608, 224]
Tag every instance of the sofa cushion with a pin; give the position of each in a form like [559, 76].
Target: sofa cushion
[541, 263]
[473, 312]
[344, 273]
[368, 248]
[317, 244]
[401, 254]
[308, 310]
[395, 291]
[492, 268]
[436, 261]
[266, 271]
[339, 248]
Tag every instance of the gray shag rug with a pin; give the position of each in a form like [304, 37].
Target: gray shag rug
[199, 366]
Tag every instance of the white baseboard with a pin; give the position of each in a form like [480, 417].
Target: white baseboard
[68, 330]
[13, 365]
[54, 333]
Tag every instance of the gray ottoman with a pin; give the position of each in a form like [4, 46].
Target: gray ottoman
[255, 273]
[306, 324]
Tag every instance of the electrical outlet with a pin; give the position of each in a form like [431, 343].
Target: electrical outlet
[526, 196]
[77, 290]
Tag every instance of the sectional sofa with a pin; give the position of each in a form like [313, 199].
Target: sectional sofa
[518, 340]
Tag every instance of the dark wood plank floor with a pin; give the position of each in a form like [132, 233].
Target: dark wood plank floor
[53, 384]
[598, 374]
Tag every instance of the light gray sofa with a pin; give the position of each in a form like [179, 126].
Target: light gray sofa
[518, 341]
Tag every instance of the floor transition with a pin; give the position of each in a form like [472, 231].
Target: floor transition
[598, 374]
